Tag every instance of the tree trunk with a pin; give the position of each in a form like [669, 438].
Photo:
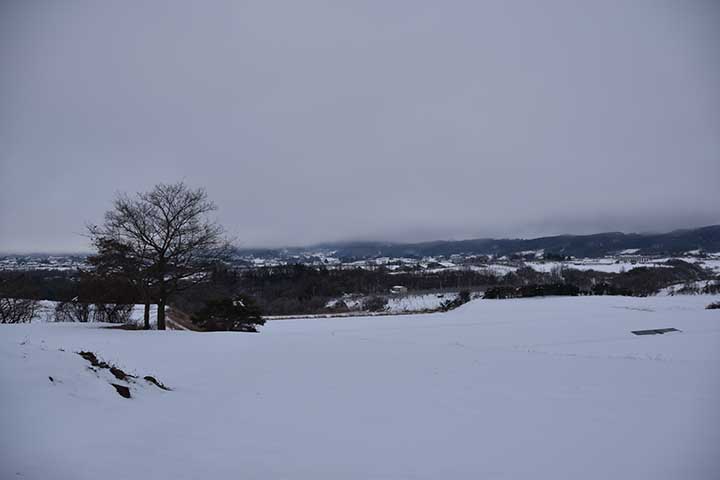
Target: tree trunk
[161, 314]
[146, 316]
[162, 296]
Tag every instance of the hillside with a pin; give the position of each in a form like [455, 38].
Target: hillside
[592, 246]
[537, 388]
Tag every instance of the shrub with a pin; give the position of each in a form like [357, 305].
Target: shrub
[712, 287]
[375, 304]
[73, 311]
[605, 288]
[713, 306]
[112, 312]
[338, 307]
[17, 310]
[534, 290]
[501, 292]
[462, 298]
[551, 289]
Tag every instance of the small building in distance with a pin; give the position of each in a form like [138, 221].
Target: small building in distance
[398, 289]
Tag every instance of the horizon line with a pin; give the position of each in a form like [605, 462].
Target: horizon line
[357, 241]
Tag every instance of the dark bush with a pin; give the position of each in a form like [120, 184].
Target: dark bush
[17, 310]
[501, 292]
[462, 298]
[713, 306]
[238, 314]
[550, 289]
[73, 311]
[338, 307]
[605, 288]
[112, 312]
[375, 304]
[711, 288]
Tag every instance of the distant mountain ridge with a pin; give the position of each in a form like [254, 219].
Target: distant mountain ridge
[594, 245]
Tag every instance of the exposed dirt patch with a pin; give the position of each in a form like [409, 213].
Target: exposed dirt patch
[120, 375]
[117, 373]
[125, 326]
[90, 357]
[157, 383]
[122, 390]
[655, 331]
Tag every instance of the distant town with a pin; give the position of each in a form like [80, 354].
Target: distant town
[499, 265]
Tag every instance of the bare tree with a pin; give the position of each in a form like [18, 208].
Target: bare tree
[169, 234]
[112, 312]
[17, 310]
[73, 311]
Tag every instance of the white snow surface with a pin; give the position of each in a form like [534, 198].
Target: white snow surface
[611, 265]
[600, 265]
[545, 388]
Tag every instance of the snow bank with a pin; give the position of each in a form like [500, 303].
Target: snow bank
[554, 388]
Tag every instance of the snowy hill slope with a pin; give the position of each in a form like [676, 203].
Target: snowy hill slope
[554, 388]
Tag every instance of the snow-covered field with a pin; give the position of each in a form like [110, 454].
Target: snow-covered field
[600, 265]
[554, 388]
[611, 265]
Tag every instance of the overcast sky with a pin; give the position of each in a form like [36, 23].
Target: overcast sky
[404, 120]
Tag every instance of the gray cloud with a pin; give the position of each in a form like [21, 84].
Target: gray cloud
[314, 121]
